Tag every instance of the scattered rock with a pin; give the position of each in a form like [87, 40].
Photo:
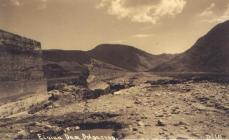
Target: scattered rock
[117, 93]
[77, 128]
[159, 115]
[161, 133]
[175, 110]
[55, 95]
[67, 130]
[160, 123]
[128, 106]
[182, 138]
[180, 123]
[22, 132]
[164, 129]
[194, 134]
[186, 89]
[135, 129]
[157, 94]
[137, 102]
[56, 105]
[144, 117]
[202, 99]
[140, 123]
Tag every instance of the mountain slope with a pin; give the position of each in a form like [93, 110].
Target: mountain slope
[123, 56]
[80, 57]
[209, 54]
[127, 57]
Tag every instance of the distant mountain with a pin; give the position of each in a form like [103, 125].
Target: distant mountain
[209, 54]
[80, 57]
[127, 57]
[114, 55]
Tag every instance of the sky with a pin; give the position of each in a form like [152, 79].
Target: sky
[155, 26]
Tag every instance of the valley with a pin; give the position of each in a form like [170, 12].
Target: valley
[120, 92]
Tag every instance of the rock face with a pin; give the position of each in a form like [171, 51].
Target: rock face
[209, 54]
[20, 66]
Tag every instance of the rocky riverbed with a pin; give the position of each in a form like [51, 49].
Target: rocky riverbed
[131, 105]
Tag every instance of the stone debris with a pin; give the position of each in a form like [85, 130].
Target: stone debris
[171, 110]
[140, 123]
[180, 123]
[160, 123]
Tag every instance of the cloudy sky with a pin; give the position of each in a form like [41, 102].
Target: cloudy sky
[156, 26]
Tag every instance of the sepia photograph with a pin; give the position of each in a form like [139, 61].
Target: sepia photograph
[114, 69]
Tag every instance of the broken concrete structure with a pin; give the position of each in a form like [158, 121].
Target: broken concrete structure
[20, 66]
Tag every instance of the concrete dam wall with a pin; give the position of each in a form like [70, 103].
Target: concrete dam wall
[21, 63]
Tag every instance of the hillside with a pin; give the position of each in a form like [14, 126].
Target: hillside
[122, 56]
[209, 54]
[127, 57]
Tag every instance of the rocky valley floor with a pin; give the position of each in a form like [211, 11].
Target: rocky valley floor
[128, 105]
